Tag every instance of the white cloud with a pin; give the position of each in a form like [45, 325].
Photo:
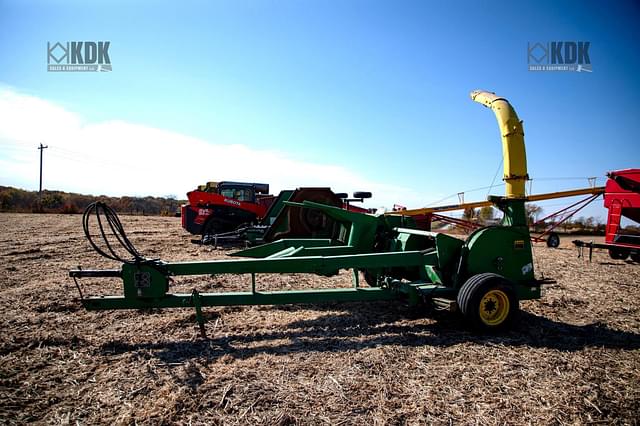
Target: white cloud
[120, 158]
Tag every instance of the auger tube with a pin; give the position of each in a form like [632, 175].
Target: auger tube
[513, 150]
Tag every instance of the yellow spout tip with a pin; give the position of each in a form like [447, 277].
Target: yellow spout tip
[478, 92]
[513, 150]
[485, 97]
[475, 93]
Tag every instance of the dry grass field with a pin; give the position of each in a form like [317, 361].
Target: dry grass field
[573, 358]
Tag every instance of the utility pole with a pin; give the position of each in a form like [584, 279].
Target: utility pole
[41, 148]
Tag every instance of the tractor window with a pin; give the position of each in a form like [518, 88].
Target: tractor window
[244, 194]
[227, 192]
[240, 194]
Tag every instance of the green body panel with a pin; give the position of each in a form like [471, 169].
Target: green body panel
[448, 249]
[144, 281]
[433, 274]
[275, 247]
[444, 251]
[515, 213]
[408, 241]
[361, 231]
[322, 265]
[501, 250]
[505, 251]
[277, 206]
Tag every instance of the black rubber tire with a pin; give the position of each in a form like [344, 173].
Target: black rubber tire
[471, 294]
[618, 254]
[361, 194]
[553, 240]
[635, 256]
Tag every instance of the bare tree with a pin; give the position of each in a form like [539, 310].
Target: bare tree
[486, 214]
[469, 214]
[532, 212]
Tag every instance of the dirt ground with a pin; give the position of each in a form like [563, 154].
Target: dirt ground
[573, 358]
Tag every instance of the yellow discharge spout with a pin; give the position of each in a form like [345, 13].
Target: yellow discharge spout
[513, 150]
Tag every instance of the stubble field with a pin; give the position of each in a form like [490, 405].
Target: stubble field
[573, 358]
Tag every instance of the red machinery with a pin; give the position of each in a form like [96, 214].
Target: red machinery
[223, 206]
[622, 199]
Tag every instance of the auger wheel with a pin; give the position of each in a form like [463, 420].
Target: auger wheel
[553, 240]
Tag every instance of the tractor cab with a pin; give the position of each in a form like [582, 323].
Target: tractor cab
[245, 192]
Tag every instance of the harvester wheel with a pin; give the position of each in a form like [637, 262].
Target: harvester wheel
[635, 256]
[488, 302]
[553, 240]
[618, 254]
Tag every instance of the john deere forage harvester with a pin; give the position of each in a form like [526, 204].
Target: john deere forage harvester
[483, 277]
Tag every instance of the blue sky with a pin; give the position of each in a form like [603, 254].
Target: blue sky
[352, 92]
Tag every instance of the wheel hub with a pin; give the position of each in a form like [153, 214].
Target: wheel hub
[494, 307]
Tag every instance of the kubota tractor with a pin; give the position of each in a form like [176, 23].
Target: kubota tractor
[223, 206]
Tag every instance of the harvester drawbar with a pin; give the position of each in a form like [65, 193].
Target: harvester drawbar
[483, 277]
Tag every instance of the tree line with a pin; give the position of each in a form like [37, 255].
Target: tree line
[23, 201]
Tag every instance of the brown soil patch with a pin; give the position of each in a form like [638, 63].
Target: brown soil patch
[573, 358]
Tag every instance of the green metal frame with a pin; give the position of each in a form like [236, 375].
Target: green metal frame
[416, 266]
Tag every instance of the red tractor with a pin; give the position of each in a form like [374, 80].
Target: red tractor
[223, 206]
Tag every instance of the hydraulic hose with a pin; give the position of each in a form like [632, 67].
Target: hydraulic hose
[105, 213]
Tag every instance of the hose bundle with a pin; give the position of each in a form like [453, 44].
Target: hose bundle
[104, 213]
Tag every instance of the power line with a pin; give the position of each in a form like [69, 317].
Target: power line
[590, 178]
[496, 175]
[86, 159]
[464, 192]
